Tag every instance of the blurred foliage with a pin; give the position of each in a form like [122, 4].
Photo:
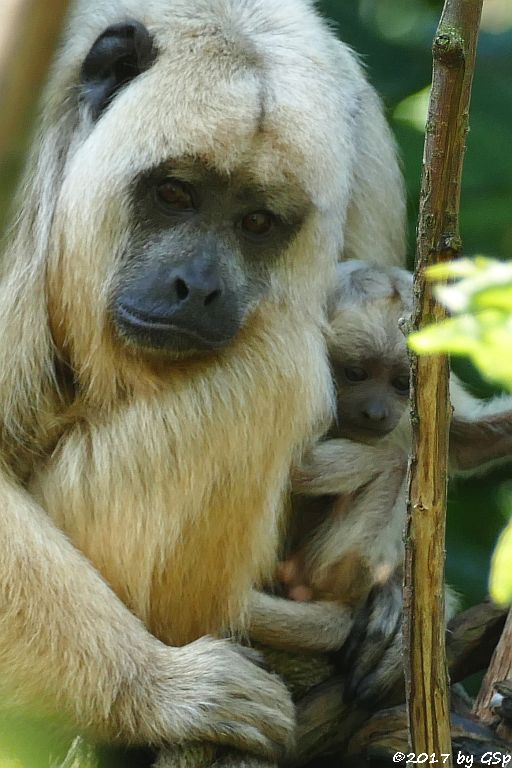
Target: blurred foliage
[480, 327]
[501, 571]
[393, 38]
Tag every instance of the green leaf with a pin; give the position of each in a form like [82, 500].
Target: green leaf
[458, 336]
[460, 268]
[501, 568]
[496, 297]
[481, 328]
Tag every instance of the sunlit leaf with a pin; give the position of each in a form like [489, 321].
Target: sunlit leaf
[481, 327]
[501, 569]
[496, 297]
[485, 283]
[460, 268]
[458, 336]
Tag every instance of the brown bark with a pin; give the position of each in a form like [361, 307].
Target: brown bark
[385, 735]
[438, 240]
[28, 35]
[471, 639]
[500, 669]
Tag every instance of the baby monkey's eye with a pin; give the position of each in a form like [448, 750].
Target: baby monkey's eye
[176, 195]
[258, 224]
[401, 384]
[355, 374]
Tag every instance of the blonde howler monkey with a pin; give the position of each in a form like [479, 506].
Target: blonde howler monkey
[200, 166]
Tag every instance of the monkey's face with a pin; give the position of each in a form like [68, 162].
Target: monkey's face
[191, 199]
[200, 259]
[372, 396]
[367, 348]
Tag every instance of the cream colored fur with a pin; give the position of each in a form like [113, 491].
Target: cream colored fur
[141, 508]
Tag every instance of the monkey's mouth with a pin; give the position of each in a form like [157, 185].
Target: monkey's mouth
[159, 332]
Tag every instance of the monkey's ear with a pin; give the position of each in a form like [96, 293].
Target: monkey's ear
[118, 56]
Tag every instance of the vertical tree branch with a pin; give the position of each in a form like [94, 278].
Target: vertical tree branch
[438, 240]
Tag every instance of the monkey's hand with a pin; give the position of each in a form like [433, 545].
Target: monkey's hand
[372, 655]
[294, 578]
[215, 690]
[348, 580]
[206, 756]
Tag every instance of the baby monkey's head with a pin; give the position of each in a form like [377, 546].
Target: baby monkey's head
[367, 348]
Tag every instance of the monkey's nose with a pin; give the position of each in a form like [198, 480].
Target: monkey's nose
[198, 300]
[375, 410]
[200, 290]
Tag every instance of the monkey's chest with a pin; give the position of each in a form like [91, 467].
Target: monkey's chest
[182, 557]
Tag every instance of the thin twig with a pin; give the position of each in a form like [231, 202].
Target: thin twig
[438, 240]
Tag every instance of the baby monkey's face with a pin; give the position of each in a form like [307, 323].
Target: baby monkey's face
[372, 395]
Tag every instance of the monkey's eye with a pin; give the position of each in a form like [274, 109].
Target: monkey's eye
[401, 384]
[175, 195]
[355, 374]
[258, 224]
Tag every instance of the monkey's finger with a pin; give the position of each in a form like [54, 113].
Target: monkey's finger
[373, 671]
[249, 739]
[287, 571]
[301, 594]
[385, 677]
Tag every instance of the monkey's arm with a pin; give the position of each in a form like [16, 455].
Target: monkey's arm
[68, 641]
[289, 625]
[481, 443]
[480, 431]
[343, 466]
